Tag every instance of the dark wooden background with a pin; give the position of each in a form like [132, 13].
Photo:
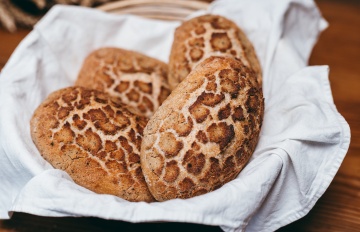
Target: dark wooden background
[338, 209]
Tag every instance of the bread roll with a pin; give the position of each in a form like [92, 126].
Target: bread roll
[137, 80]
[205, 131]
[205, 36]
[94, 139]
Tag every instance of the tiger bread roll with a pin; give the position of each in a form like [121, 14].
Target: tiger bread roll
[205, 36]
[138, 80]
[94, 139]
[205, 131]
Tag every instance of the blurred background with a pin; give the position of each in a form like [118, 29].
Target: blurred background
[25, 13]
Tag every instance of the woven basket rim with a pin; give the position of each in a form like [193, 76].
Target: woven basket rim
[155, 9]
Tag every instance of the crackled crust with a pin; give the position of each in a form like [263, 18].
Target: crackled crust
[137, 80]
[205, 132]
[205, 36]
[94, 139]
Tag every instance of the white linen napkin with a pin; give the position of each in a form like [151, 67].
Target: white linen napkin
[302, 143]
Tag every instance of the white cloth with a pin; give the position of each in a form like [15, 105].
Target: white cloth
[302, 144]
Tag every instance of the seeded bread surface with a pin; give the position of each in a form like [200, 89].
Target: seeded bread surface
[205, 131]
[139, 81]
[94, 139]
[205, 36]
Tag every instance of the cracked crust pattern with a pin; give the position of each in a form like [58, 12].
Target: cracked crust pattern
[205, 36]
[137, 80]
[205, 132]
[94, 139]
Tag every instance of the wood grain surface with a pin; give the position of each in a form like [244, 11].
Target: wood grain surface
[338, 209]
[339, 47]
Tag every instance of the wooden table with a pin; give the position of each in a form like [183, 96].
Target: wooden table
[338, 209]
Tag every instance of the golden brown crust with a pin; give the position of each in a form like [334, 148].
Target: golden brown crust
[94, 139]
[137, 80]
[201, 138]
[205, 36]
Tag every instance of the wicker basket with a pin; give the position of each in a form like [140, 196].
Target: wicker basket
[155, 9]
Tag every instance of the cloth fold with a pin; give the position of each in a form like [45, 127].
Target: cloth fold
[302, 142]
